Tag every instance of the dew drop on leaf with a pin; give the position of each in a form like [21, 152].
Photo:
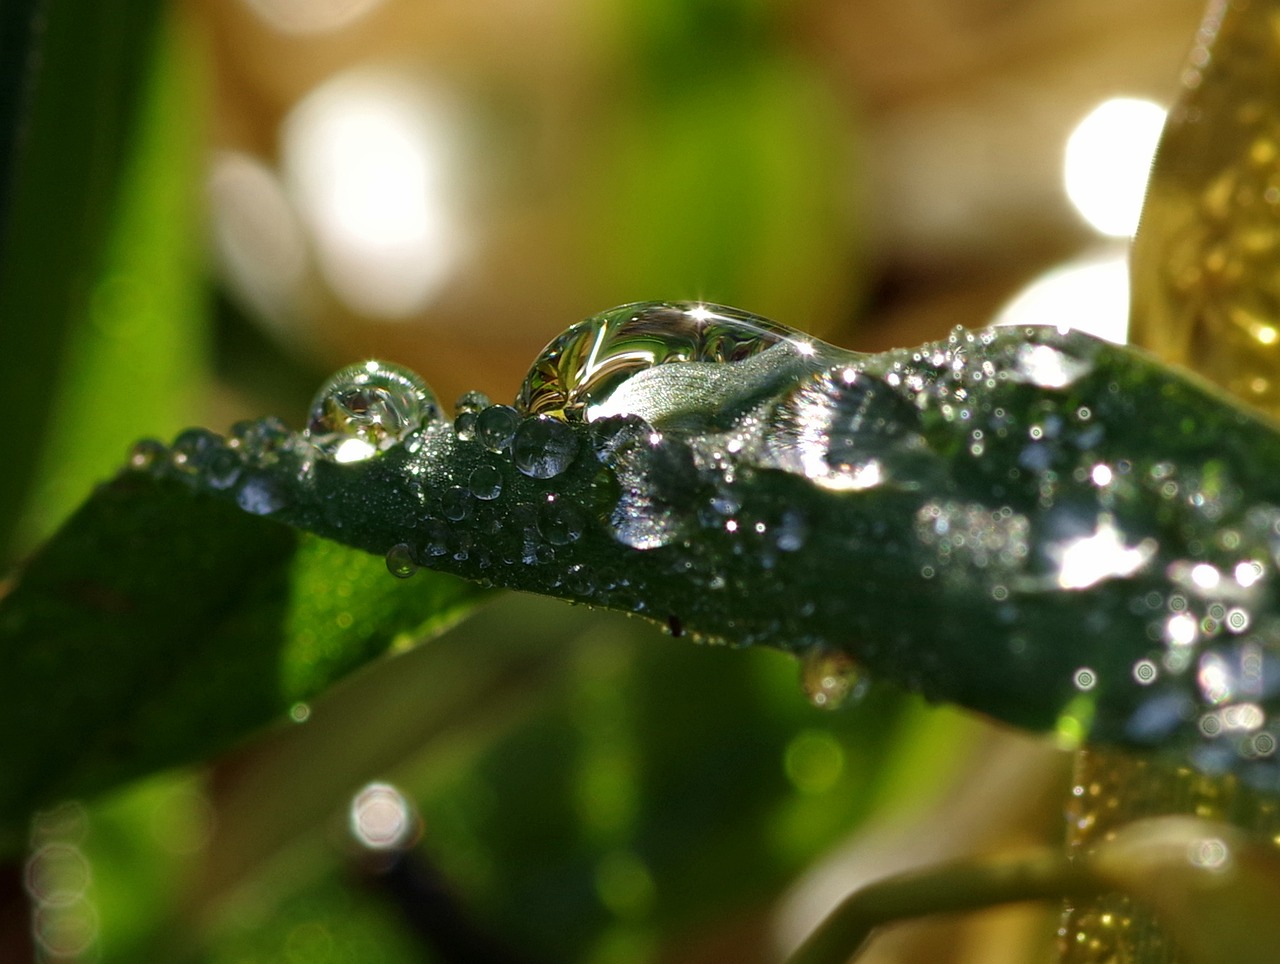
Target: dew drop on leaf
[260, 439]
[147, 454]
[830, 678]
[474, 402]
[367, 408]
[560, 524]
[543, 447]
[576, 374]
[400, 561]
[486, 482]
[455, 503]
[466, 409]
[260, 494]
[496, 427]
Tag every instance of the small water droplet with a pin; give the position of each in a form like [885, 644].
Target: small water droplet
[260, 494]
[192, 448]
[486, 482]
[472, 402]
[585, 365]
[496, 427]
[578, 580]
[435, 537]
[222, 468]
[544, 447]
[400, 561]
[464, 426]
[367, 408]
[455, 503]
[651, 481]
[560, 524]
[830, 678]
[466, 409]
[260, 439]
[1048, 367]
[206, 456]
[147, 453]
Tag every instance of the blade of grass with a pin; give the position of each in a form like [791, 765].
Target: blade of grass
[70, 131]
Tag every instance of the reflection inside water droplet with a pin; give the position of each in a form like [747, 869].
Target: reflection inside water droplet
[847, 431]
[584, 366]
[368, 408]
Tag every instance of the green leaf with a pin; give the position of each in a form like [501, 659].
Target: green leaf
[157, 628]
[1033, 524]
[1041, 526]
[69, 126]
[134, 355]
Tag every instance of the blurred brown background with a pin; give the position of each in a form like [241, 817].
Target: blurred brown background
[449, 184]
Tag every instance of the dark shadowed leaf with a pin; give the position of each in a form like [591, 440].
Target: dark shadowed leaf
[157, 628]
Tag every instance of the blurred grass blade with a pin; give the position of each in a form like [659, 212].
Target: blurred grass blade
[19, 38]
[157, 628]
[69, 129]
[136, 356]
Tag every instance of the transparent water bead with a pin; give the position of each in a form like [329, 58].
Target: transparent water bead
[199, 452]
[486, 482]
[496, 426]
[583, 367]
[466, 409]
[368, 408]
[543, 447]
[400, 562]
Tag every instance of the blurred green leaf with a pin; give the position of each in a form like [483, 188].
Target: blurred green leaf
[157, 628]
[133, 362]
[70, 129]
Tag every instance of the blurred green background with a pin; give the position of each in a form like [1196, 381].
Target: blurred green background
[209, 205]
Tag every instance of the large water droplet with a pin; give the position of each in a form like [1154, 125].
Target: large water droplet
[830, 678]
[543, 447]
[368, 408]
[584, 366]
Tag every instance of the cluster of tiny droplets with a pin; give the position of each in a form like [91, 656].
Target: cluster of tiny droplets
[240, 464]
